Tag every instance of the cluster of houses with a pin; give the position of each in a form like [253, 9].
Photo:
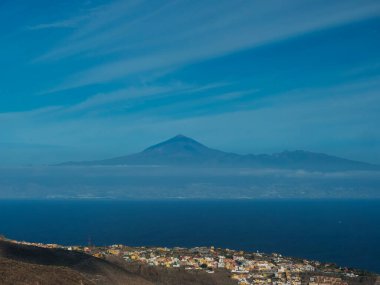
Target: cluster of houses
[245, 268]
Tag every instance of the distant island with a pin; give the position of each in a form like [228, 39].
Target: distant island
[36, 263]
[184, 151]
[183, 168]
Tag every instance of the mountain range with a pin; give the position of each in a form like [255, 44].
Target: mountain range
[184, 151]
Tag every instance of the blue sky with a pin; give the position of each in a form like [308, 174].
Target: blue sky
[95, 79]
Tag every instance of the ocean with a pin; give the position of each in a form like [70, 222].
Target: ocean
[346, 232]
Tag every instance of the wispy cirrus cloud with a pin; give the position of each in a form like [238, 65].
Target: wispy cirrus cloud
[108, 102]
[147, 38]
[131, 97]
[120, 96]
[69, 23]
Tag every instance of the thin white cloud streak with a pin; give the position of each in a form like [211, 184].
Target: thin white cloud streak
[109, 101]
[118, 97]
[35, 113]
[102, 21]
[163, 37]
[69, 23]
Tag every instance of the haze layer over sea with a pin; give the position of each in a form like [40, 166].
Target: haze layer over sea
[346, 232]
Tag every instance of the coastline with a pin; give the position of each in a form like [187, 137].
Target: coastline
[240, 266]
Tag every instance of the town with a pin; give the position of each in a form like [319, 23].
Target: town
[244, 267]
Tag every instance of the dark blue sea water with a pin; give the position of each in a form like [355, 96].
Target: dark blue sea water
[345, 232]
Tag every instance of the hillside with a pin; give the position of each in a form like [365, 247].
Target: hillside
[24, 264]
[15, 272]
[57, 266]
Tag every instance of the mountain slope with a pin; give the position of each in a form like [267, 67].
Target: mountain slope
[25, 264]
[184, 151]
[74, 267]
[15, 273]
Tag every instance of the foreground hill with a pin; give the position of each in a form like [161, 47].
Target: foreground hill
[184, 151]
[14, 273]
[25, 264]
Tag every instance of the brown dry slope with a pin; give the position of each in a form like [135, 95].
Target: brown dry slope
[21, 264]
[24, 265]
[15, 272]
